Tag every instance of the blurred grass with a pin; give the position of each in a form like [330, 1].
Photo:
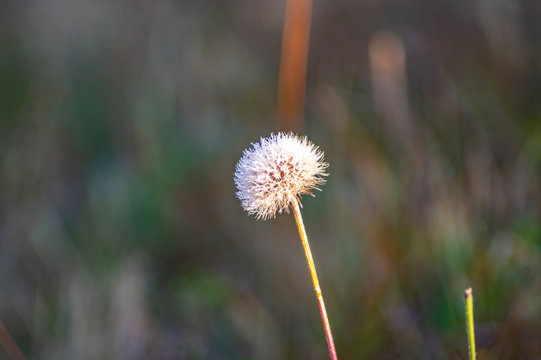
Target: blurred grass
[120, 234]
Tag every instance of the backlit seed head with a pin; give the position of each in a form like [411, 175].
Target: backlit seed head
[276, 171]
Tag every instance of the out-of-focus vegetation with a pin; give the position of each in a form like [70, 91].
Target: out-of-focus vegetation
[120, 233]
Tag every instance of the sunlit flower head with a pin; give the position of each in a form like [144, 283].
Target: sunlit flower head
[276, 171]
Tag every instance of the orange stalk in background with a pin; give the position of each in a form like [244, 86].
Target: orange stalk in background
[293, 60]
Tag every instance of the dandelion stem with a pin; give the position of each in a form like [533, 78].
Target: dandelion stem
[468, 299]
[317, 289]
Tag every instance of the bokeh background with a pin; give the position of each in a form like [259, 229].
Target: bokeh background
[120, 126]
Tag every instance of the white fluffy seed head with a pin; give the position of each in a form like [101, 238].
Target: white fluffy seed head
[276, 171]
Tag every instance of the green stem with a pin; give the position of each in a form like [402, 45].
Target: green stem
[468, 299]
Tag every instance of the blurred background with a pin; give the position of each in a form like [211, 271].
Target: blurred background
[120, 126]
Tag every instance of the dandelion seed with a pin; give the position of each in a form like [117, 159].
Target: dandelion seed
[276, 171]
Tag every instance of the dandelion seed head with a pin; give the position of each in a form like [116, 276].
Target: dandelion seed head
[276, 171]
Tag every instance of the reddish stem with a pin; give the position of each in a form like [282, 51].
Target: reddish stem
[9, 345]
